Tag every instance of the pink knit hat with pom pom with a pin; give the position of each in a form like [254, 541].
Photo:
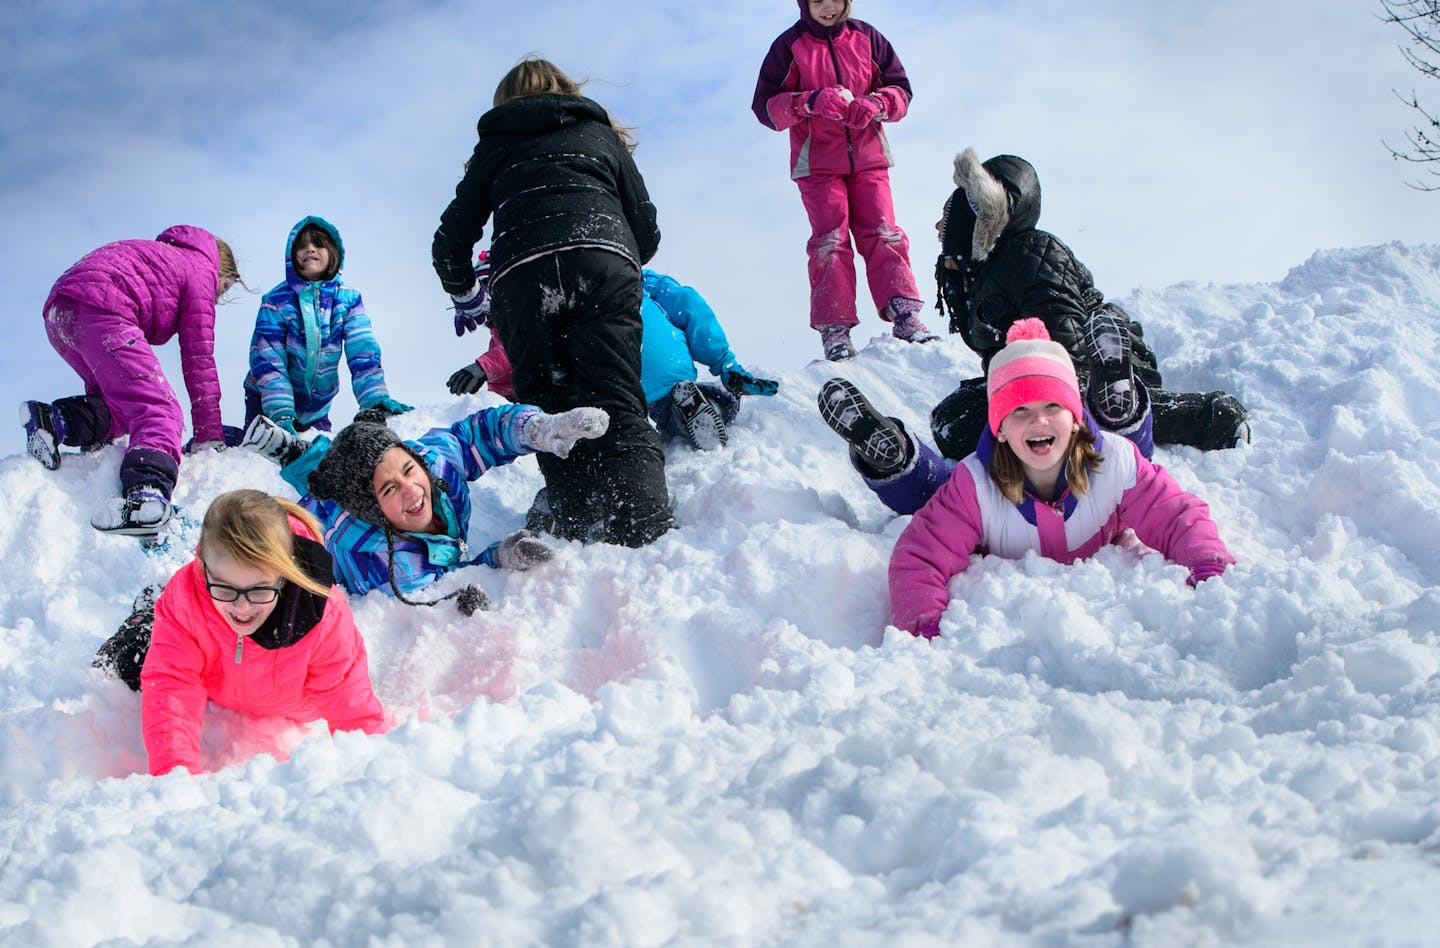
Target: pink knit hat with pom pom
[1031, 368]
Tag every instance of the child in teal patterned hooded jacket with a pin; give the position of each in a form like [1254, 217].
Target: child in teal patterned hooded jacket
[303, 326]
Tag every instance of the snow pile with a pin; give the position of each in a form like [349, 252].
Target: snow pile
[715, 740]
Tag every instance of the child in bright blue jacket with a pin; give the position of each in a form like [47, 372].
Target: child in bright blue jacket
[679, 329]
[303, 326]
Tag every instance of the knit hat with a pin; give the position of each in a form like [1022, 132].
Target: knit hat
[346, 473]
[1031, 368]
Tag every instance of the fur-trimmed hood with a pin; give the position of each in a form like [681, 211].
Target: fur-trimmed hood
[993, 199]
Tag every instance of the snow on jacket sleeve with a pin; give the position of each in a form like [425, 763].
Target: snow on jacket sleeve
[172, 690]
[197, 358]
[688, 311]
[935, 546]
[639, 210]
[338, 680]
[362, 355]
[485, 439]
[462, 224]
[1168, 518]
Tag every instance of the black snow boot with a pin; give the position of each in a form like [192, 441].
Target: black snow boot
[875, 440]
[1210, 421]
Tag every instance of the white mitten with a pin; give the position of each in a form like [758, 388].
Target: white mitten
[557, 434]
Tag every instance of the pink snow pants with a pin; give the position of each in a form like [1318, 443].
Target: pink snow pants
[859, 203]
[114, 360]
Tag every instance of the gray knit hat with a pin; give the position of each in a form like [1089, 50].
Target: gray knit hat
[346, 473]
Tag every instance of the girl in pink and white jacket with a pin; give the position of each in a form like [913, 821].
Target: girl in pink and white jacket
[1043, 479]
[255, 624]
[831, 81]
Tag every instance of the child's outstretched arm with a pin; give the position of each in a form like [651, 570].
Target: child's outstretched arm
[1168, 518]
[362, 355]
[935, 546]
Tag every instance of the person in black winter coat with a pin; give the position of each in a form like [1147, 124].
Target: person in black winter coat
[573, 226]
[996, 266]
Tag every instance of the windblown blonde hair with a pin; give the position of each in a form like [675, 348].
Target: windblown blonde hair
[228, 268]
[251, 527]
[536, 76]
[1080, 460]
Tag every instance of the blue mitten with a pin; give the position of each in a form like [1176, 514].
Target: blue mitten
[739, 381]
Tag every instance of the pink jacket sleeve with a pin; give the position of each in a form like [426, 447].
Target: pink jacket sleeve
[338, 680]
[896, 102]
[496, 365]
[1168, 518]
[935, 546]
[172, 692]
[197, 359]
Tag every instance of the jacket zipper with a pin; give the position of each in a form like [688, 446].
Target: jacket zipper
[839, 81]
[239, 646]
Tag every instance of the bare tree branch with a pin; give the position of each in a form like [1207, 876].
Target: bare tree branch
[1420, 19]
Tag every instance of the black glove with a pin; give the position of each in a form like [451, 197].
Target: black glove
[467, 380]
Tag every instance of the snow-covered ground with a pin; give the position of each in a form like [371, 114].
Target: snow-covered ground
[716, 740]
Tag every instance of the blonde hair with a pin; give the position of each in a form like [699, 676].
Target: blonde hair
[228, 269]
[1081, 458]
[536, 76]
[251, 527]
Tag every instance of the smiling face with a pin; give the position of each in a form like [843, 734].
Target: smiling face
[402, 488]
[312, 261]
[1039, 433]
[827, 12]
[242, 615]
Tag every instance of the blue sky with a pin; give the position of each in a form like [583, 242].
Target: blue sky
[1221, 142]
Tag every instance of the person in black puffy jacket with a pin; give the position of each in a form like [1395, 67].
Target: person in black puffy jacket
[573, 224]
[996, 266]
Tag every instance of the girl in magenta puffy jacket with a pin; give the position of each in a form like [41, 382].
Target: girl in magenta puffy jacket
[1043, 479]
[831, 81]
[252, 623]
[103, 316]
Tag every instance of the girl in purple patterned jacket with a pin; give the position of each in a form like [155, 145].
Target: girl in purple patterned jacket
[102, 316]
[1043, 479]
[831, 81]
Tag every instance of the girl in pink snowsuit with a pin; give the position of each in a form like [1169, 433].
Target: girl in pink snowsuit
[832, 81]
[102, 317]
[1043, 479]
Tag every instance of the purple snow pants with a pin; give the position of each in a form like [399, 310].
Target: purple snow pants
[116, 363]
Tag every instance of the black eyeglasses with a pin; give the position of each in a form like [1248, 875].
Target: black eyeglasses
[255, 595]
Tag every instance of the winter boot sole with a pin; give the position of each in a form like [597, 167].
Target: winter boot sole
[1110, 390]
[877, 440]
[41, 442]
[700, 419]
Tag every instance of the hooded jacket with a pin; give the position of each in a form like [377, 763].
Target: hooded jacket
[364, 559]
[164, 287]
[556, 176]
[969, 515]
[306, 661]
[1009, 268]
[300, 332]
[811, 56]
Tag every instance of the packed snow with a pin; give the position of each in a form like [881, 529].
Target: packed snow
[717, 740]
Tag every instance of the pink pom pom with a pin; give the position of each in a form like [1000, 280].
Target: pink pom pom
[1031, 328]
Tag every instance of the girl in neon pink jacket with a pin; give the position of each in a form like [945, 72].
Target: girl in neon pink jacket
[831, 81]
[103, 316]
[253, 624]
[1044, 479]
